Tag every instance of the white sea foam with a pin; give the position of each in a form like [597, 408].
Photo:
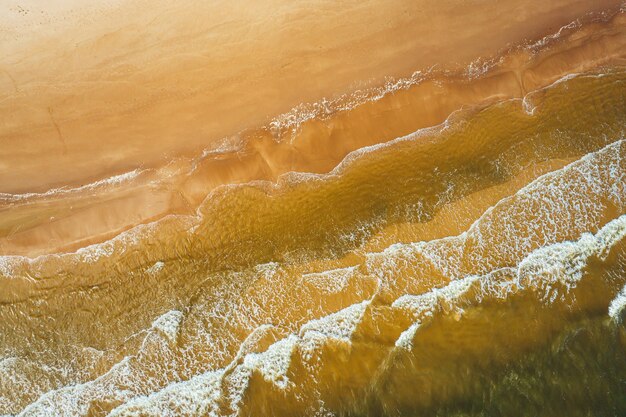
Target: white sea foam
[200, 394]
[332, 281]
[274, 363]
[430, 302]
[325, 107]
[617, 306]
[195, 397]
[338, 325]
[571, 199]
[168, 324]
[547, 40]
[481, 66]
[405, 341]
[156, 268]
[111, 181]
[551, 272]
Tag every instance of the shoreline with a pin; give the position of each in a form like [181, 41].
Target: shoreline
[101, 105]
[282, 208]
[316, 145]
[191, 234]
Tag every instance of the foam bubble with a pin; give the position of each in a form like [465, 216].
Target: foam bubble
[111, 181]
[156, 268]
[168, 324]
[617, 306]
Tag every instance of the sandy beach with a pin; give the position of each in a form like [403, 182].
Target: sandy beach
[312, 208]
[104, 112]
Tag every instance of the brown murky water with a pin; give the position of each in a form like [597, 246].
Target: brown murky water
[475, 267]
